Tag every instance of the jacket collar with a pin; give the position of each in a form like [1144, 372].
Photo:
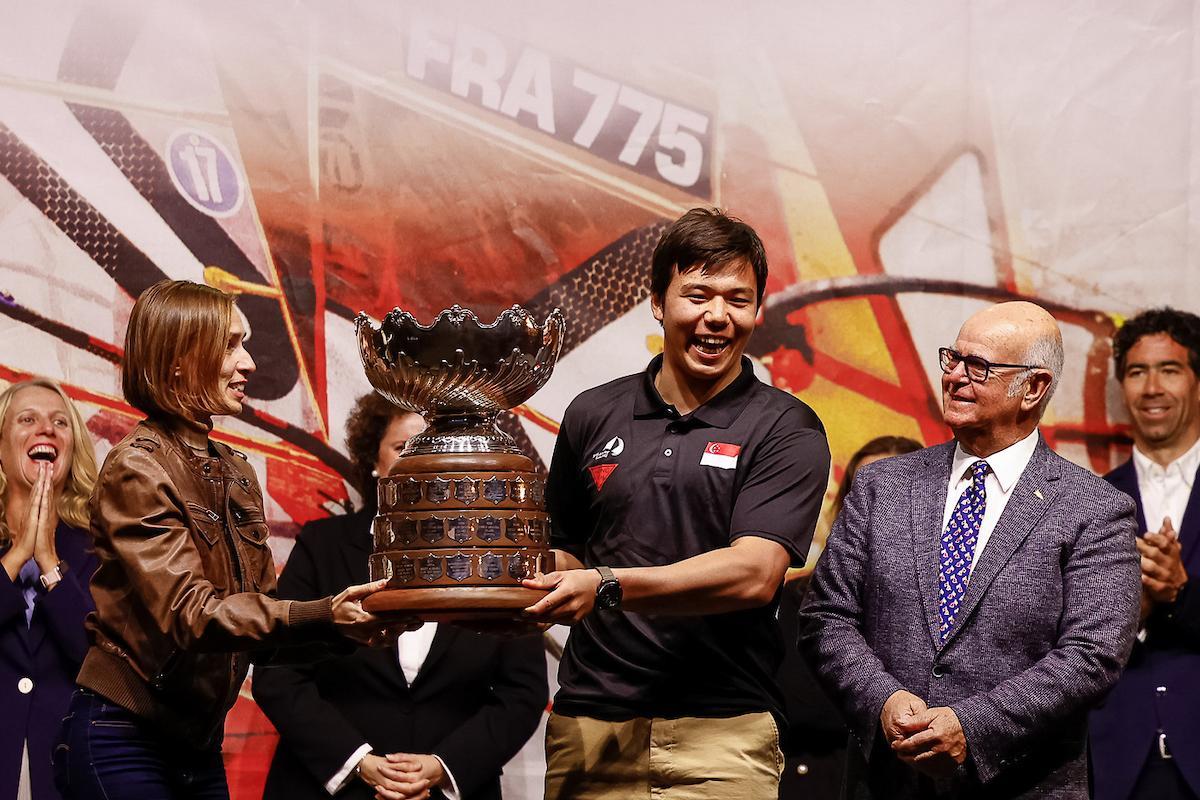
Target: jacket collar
[217, 463]
[719, 412]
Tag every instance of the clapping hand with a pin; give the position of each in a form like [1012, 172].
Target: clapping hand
[1163, 574]
[35, 539]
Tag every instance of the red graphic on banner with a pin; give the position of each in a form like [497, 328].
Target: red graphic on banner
[600, 474]
[722, 449]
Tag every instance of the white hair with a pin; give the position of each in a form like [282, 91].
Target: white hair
[1046, 352]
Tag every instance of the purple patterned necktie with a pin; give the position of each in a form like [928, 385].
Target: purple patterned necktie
[958, 548]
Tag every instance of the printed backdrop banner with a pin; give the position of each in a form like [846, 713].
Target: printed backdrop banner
[905, 165]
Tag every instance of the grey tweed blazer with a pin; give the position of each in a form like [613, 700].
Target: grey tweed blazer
[1046, 626]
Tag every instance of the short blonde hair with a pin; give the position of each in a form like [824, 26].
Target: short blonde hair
[81, 472]
[174, 347]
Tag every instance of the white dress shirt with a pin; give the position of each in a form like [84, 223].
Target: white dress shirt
[1006, 468]
[412, 648]
[1165, 490]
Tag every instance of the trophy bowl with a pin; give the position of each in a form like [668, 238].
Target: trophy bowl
[462, 517]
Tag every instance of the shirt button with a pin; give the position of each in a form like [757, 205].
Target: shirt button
[940, 670]
[24, 686]
[667, 452]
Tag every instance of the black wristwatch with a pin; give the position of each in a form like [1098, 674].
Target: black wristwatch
[608, 593]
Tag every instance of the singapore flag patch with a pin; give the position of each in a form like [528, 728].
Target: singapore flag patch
[720, 455]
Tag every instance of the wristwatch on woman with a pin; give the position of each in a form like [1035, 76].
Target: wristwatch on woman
[51, 579]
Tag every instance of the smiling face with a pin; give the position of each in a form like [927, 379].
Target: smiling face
[967, 405]
[1162, 394]
[707, 318]
[36, 430]
[236, 367]
[985, 417]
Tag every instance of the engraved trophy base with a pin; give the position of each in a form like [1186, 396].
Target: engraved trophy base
[455, 535]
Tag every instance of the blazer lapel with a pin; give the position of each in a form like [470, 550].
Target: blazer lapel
[70, 551]
[1022, 511]
[1189, 527]
[1124, 478]
[358, 532]
[928, 506]
[445, 634]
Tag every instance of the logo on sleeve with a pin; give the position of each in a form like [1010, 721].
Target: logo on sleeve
[600, 474]
[614, 447]
[720, 455]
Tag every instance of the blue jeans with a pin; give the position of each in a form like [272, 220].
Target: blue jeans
[107, 753]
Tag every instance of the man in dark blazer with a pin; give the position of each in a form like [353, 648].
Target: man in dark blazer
[977, 597]
[473, 704]
[1145, 738]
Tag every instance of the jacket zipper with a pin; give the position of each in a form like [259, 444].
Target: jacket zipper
[239, 577]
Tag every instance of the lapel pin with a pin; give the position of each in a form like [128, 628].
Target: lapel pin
[1038, 494]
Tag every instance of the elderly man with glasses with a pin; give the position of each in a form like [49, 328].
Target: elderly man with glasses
[976, 598]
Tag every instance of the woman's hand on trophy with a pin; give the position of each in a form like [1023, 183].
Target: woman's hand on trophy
[358, 624]
[572, 595]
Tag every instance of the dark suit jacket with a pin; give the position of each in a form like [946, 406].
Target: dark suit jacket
[1126, 726]
[48, 652]
[1045, 626]
[474, 703]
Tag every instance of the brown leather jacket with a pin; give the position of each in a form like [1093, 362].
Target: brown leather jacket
[185, 583]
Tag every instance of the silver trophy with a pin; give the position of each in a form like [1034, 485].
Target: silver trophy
[462, 515]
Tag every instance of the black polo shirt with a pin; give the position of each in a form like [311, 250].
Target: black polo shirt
[635, 484]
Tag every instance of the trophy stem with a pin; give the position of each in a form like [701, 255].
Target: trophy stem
[461, 432]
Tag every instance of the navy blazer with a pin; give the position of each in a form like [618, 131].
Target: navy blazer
[1045, 626]
[48, 653]
[475, 701]
[1161, 686]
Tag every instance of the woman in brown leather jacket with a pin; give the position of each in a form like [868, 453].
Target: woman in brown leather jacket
[186, 583]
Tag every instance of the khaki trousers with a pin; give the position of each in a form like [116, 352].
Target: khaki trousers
[691, 758]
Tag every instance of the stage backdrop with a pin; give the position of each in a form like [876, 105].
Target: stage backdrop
[904, 163]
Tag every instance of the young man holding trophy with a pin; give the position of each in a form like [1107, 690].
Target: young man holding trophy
[679, 496]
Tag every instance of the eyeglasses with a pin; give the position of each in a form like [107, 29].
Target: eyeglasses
[977, 368]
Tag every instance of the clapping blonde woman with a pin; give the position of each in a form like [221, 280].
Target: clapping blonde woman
[47, 471]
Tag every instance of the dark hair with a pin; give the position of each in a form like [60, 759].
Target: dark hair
[365, 427]
[880, 445]
[706, 239]
[1182, 326]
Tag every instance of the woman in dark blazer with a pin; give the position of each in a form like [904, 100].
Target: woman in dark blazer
[353, 723]
[48, 473]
